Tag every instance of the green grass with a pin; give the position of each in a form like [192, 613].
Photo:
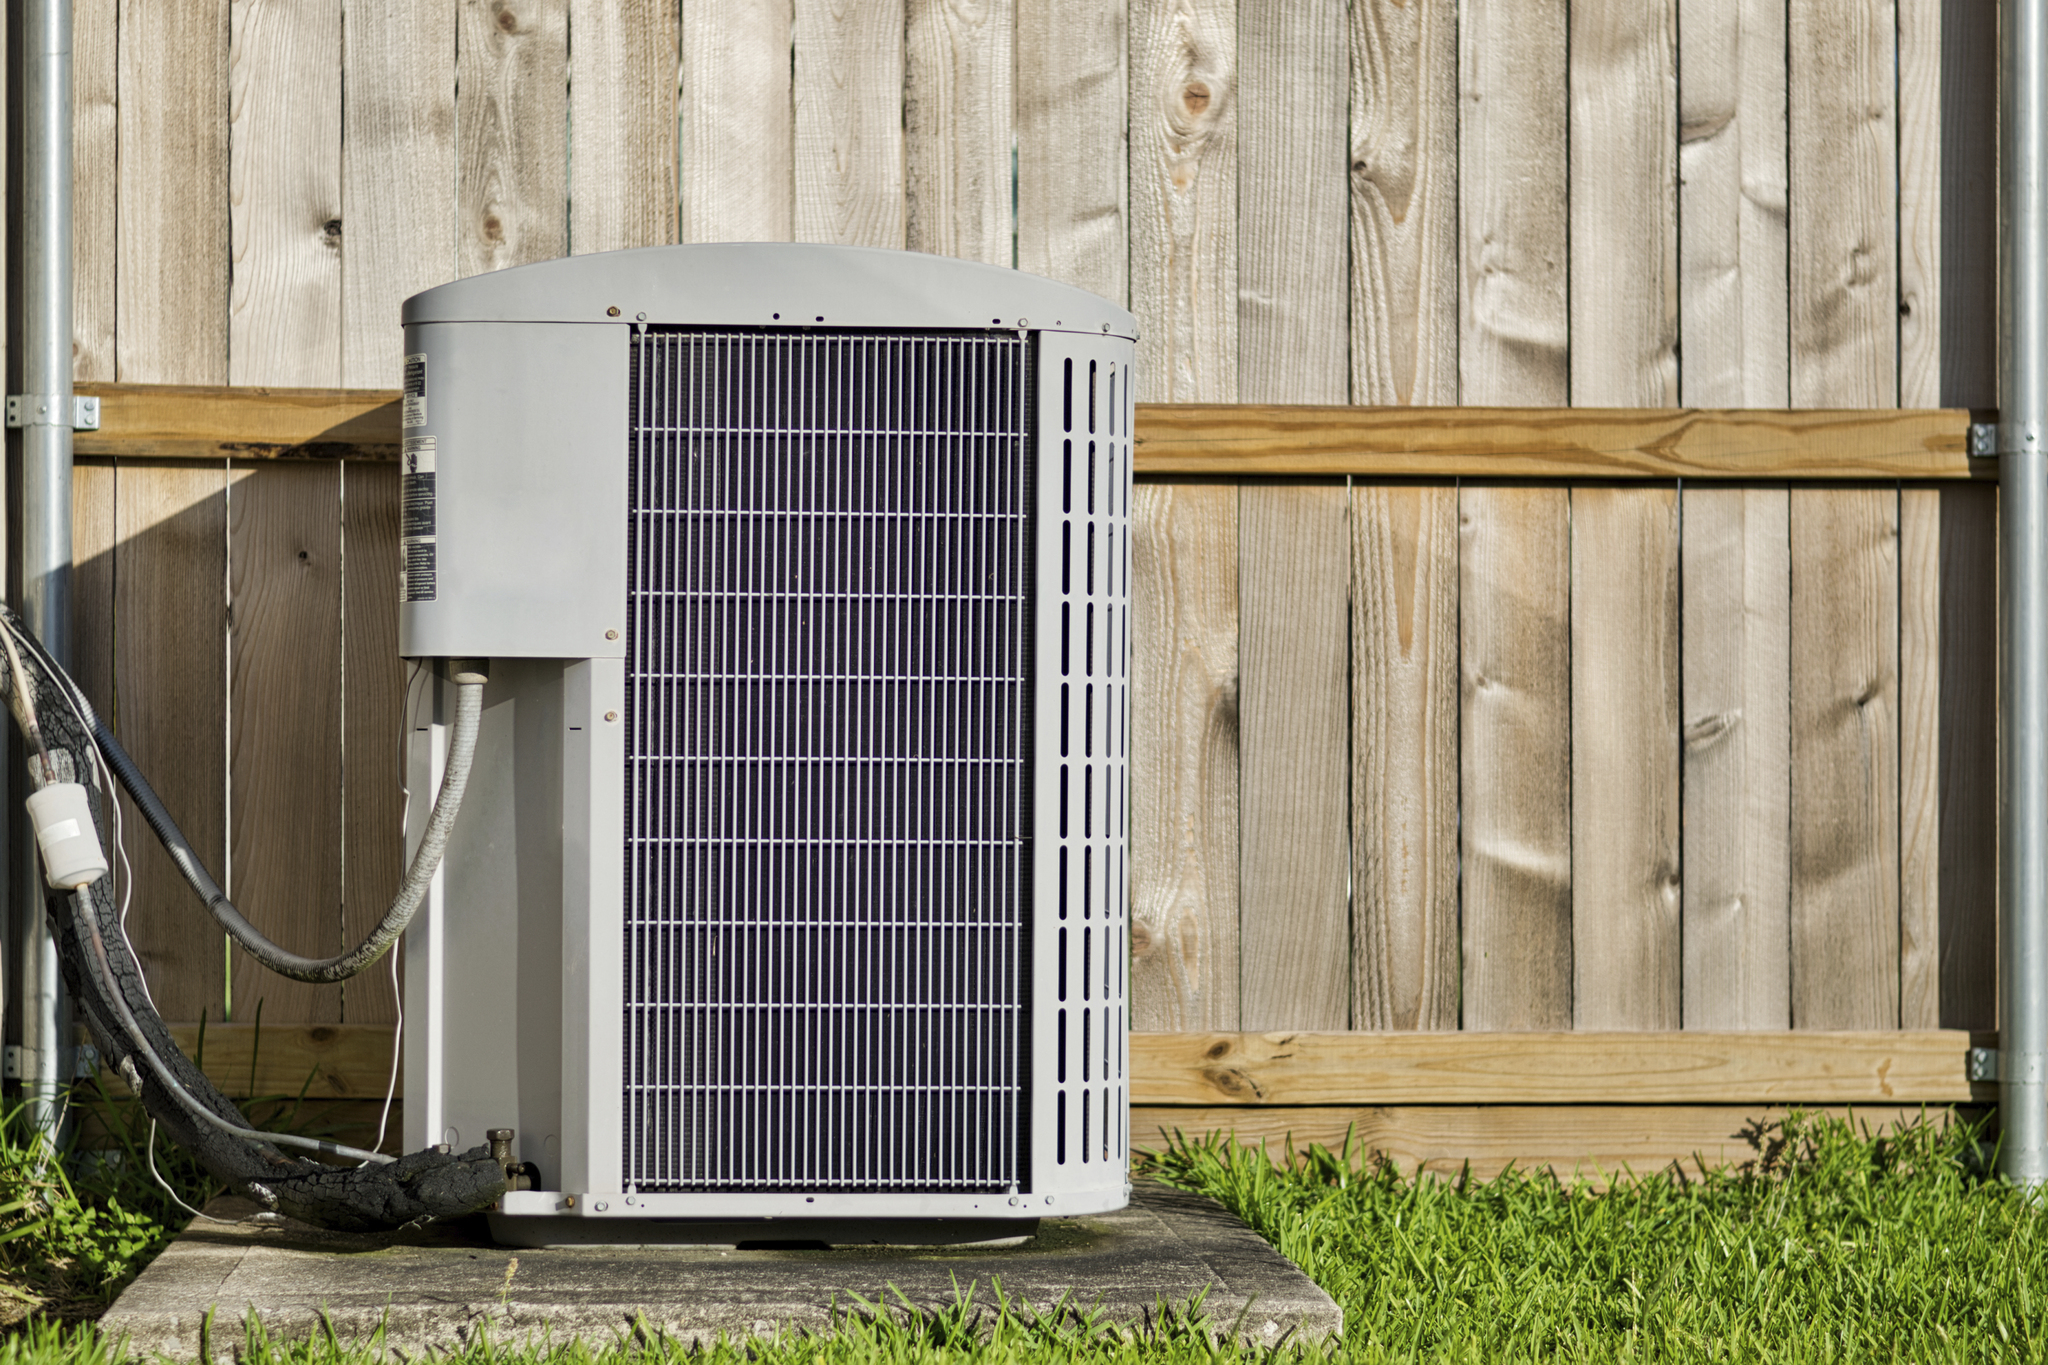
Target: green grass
[1841, 1247]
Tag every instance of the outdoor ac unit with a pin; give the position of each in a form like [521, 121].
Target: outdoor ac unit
[791, 881]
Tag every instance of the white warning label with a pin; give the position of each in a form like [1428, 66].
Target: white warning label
[417, 567]
[414, 412]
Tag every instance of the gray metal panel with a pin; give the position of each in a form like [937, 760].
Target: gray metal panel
[528, 430]
[767, 284]
[486, 992]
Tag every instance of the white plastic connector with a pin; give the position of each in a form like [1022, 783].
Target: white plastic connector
[62, 816]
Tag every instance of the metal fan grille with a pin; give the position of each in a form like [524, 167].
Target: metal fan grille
[828, 761]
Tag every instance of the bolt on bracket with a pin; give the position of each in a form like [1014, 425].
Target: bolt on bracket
[36, 409]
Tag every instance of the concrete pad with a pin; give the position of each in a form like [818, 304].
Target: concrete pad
[437, 1287]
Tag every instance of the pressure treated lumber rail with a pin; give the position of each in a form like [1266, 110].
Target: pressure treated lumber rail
[1287, 1070]
[1235, 441]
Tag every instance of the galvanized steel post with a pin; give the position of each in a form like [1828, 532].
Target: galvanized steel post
[2023, 526]
[44, 561]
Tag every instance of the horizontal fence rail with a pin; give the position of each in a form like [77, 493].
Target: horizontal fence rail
[166, 421]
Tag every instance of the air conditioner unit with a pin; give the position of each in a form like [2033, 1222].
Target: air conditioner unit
[788, 898]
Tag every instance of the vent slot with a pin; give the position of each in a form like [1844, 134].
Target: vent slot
[828, 762]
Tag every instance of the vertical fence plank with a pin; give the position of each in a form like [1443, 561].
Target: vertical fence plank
[94, 543]
[1626, 958]
[284, 695]
[1844, 181]
[512, 175]
[1968, 646]
[1293, 81]
[1919, 209]
[622, 124]
[1969, 206]
[1515, 758]
[95, 170]
[1731, 195]
[397, 166]
[1184, 830]
[1404, 196]
[1184, 198]
[1073, 145]
[1624, 211]
[1919, 757]
[1511, 202]
[849, 121]
[1845, 743]
[1737, 589]
[958, 128]
[736, 139]
[171, 281]
[284, 134]
[1294, 563]
[169, 708]
[1404, 756]
[372, 724]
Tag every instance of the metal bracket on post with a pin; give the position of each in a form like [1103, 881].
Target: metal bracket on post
[36, 409]
[1983, 440]
[1983, 1065]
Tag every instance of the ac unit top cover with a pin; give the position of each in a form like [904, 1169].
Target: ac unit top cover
[516, 413]
[771, 284]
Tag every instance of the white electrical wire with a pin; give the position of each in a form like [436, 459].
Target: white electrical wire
[405, 711]
[166, 1185]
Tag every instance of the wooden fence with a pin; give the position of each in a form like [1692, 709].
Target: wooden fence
[1427, 740]
[1717, 203]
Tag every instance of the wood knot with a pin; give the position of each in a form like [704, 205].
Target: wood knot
[1219, 1049]
[330, 232]
[1141, 940]
[1232, 1082]
[319, 1033]
[1195, 98]
[494, 228]
[507, 21]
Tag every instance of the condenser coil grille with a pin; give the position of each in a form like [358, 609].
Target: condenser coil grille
[828, 761]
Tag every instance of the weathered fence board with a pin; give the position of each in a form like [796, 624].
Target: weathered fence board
[1845, 758]
[1624, 206]
[1184, 757]
[1731, 199]
[1626, 961]
[1292, 206]
[1513, 203]
[1968, 759]
[397, 164]
[284, 194]
[735, 129]
[1514, 613]
[1294, 835]
[1404, 756]
[171, 281]
[284, 758]
[511, 113]
[958, 127]
[1844, 175]
[622, 126]
[1736, 572]
[1184, 199]
[847, 90]
[1073, 186]
[95, 183]
[1404, 191]
[373, 684]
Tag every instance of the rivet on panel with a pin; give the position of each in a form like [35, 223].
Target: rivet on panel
[612, 311]
[611, 635]
[611, 715]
